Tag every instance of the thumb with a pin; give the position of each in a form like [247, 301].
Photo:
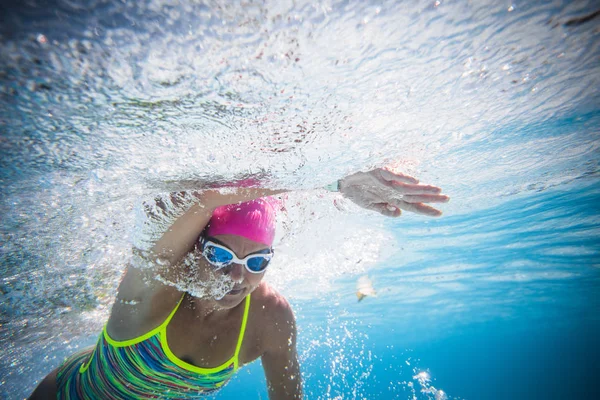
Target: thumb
[386, 209]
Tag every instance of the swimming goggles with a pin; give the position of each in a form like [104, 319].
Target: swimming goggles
[220, 256]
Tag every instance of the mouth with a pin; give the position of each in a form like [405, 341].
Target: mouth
[235, 291]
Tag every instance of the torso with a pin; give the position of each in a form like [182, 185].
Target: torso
[210, 343]
[204, 343]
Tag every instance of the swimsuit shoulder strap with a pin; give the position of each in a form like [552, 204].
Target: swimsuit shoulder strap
[141, 338]
[242, 331]
[166, 321]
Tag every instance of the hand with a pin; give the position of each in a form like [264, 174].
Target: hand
[390, 192]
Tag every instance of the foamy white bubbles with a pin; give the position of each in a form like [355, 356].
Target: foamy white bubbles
[190, 276]
[423, 378]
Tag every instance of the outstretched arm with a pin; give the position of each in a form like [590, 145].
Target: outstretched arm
[381, 190]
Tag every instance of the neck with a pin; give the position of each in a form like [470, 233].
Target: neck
[209, 310]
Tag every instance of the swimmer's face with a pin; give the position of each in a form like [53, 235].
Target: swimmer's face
[244, 282]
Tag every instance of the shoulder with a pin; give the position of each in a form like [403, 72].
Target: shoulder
[273, 312]
[273, 305]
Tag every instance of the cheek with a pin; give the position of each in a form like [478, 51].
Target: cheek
[202, 269]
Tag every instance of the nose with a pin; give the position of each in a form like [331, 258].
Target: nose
[235, 272]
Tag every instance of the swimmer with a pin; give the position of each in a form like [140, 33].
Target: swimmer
[160, 342]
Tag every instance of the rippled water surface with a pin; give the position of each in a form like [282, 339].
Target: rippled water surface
[103, 104]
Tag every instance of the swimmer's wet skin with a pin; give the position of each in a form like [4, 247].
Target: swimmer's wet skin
[163, 344]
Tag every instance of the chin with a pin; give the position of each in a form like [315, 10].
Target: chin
[232, 300]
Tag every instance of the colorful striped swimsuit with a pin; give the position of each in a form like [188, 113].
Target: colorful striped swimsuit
[141, 368]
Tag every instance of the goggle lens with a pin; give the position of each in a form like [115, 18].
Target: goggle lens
[218, 256]
[257, 263]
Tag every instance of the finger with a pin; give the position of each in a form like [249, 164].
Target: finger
[418, 208]
[397, 177]
[410, 189]
[385, 209]
[426, 198]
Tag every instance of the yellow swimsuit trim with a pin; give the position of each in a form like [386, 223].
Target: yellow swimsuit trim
[162, 331]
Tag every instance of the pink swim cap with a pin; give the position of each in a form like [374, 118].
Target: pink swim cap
[254, 220]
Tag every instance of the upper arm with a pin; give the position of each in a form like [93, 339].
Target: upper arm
[143, 296]
[142, 303]
[280, 359]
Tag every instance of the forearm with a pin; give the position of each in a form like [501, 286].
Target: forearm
[214, 198]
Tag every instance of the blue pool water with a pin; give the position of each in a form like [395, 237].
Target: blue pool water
[104, 104]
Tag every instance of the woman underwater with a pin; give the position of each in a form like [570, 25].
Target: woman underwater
[210, 337]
